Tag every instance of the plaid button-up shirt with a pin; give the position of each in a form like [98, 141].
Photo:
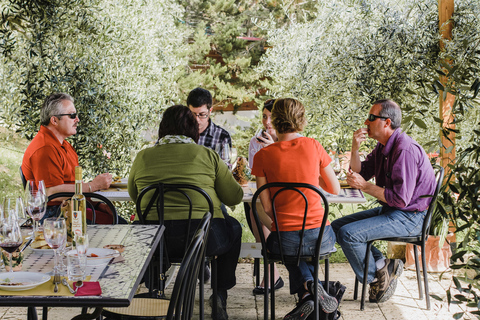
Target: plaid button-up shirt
[213, 136]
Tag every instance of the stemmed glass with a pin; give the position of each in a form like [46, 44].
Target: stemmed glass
[15, 206]
[36, 201]
[55, 232]
[225, 153]
[10, 234]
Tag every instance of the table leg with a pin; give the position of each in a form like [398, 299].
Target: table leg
[32, 313]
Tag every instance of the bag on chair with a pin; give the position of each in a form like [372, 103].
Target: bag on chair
[335, 289]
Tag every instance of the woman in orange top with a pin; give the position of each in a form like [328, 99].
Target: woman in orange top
[297, 159]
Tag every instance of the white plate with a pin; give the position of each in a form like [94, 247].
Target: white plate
[122, 184]
[48, 251]
[104, 255]
[22, 280]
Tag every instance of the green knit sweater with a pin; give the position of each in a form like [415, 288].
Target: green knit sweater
[188, 164]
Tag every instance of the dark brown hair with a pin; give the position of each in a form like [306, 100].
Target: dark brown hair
[179, 120]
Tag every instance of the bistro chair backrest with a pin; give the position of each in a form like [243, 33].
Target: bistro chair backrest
[428, 217]
[157, 200]
[295, 187]
[89, 196]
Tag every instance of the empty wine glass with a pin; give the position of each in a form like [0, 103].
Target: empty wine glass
[55, 232]
[14, 206]
[36, 201]
[224, 150]
[10, 234]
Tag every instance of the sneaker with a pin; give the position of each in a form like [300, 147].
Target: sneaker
[328, 303]
[387, 280]
[221, 308]
[261, 290]
[303, 309]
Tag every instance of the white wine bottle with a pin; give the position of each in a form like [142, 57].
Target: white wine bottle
[79, 206]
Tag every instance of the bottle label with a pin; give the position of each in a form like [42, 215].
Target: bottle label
[77, 226]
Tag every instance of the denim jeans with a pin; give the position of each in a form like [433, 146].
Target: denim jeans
[298, 275]
[224, 241]
[355, 230]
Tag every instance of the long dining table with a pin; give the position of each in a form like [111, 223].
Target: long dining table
[118, 281]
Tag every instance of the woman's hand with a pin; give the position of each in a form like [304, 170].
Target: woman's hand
[266, 139]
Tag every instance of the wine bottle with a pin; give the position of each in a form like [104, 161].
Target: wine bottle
[79, 206]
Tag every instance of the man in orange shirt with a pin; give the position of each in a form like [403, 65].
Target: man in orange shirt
[49, 157]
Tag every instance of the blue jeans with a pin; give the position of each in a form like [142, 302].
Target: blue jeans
[298, 275]
[355, 230]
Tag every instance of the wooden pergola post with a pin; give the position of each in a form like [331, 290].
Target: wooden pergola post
[445, 12]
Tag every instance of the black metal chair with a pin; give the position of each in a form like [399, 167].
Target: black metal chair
[157, 199]
[269, 258]
[182, 301]
[417, 241]
[24, 181]
[90, 205]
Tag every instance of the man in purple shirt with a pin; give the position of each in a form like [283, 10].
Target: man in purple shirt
[404, 178]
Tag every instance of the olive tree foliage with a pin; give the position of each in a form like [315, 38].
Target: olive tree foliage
[354, 53]
[220, 58]
[115, 57]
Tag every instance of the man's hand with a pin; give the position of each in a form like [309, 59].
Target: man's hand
[102, 181]
[355, 180]
[358, 137]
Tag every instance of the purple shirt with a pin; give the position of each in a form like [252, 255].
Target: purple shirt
[402, 168]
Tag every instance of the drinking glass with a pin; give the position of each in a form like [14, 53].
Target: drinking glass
[10, 234]
[36, 201]
[14, 206]
[55, 232]
[224, 150]
[81, 244]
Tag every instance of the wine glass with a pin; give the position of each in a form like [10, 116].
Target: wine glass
[14, 206]
[224, 150]
[10, 234]
[36, 201]
[55, 232]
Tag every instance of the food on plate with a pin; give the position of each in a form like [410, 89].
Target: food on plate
[39, 242]
[117, 179]
[120, 248]
[92, 255]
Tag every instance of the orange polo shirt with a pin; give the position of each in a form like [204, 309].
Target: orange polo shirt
[297, 160]
[48, 160]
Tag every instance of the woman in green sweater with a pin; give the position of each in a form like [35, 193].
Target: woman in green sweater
[176, 158]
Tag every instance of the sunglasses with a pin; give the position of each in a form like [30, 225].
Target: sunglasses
[372, 117]
[70, 115]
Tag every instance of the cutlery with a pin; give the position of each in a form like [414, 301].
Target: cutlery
[56, 281]
[65, 283]
[26, 244]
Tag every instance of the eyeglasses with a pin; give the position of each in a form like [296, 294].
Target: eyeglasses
[203, 115]
[70, 115]
[372, 117]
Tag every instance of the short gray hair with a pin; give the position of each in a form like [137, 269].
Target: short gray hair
[52, 106]
[390, 110]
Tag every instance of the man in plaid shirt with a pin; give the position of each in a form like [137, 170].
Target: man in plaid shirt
[211, 136]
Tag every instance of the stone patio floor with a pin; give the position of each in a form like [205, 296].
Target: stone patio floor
[243, 305]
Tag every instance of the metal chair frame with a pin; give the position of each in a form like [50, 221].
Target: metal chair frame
[269, 258]
[416, 241]
[158, 199]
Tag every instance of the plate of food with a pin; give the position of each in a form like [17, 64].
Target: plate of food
[39, 244]
[98, 256]
[19, 281]
[119, 182]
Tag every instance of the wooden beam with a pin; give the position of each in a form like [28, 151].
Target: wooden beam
[445, 12]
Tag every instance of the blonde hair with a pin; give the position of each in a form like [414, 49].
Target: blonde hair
[288, 115]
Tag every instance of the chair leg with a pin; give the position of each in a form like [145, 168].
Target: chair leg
[201, 292]
[265, 292]
[214, 287]
[272, 291]
[355, 289]
[365, 275]
[417, 268]
[425, 275]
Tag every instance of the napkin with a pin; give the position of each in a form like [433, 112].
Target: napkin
[88, 289]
